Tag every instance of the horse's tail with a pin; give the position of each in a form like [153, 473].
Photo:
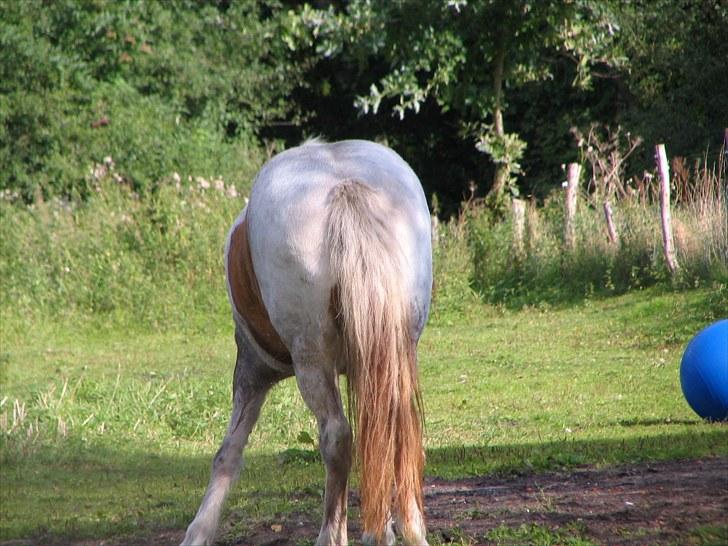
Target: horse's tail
[372, 307]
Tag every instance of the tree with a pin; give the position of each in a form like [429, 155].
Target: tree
[465, 55]
[678, 73]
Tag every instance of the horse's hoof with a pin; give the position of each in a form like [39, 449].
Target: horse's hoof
[196, 535]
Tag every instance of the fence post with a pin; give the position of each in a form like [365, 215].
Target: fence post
[435, 227]
[611, 229]
[572, 182]
[518, 208]
[532, 235]
[667, 241]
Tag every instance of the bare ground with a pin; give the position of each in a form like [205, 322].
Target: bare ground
[655, 503]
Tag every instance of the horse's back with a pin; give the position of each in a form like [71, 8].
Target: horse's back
[367, 161]
[302, 177]
[287, 216]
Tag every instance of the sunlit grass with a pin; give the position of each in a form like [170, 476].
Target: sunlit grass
[113, 432]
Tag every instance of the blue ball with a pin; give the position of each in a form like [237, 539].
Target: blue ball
[704, 372]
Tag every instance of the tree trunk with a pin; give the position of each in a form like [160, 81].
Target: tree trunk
[501, 169]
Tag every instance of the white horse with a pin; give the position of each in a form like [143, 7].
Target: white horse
[329, 271]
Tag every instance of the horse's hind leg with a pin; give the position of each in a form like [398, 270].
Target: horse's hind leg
[318, 383]
[411, 524]
[251, 383]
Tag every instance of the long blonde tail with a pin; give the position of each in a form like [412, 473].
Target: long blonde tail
[373, 313]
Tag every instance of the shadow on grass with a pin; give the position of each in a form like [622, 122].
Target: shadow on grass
[52, 495]
[459, 461]
[710, 306]
[55, 495]
[654, 422]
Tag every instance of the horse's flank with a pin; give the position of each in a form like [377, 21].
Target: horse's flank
[245, 294]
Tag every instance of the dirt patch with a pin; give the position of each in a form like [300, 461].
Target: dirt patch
[655, 503]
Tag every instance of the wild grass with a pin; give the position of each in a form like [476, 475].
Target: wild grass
[121, 260]
[115, 258]
[547, 270]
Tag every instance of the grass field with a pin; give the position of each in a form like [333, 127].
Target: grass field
[106, 433]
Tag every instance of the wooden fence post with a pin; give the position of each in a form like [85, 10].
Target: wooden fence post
[532, 225]
[611, 229]
[667, 241]
[572, 183]
[435, 227]
[518, 208]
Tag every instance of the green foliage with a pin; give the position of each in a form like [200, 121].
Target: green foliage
[677, 76]
[549, 272]
[187, 86]
[567, 64]
[478, 251]
[159, 86]
[439, 49]
[130, 260]
[463, 55]
[505, 151]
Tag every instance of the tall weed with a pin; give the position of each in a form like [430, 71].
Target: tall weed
[117, 258]
[547, 271]
[452, 270]
[701, 225]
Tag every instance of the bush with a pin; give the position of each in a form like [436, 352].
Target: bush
[159, 86]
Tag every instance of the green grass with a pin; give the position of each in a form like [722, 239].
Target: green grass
[106, 432]
[537, 535]
[709, 535]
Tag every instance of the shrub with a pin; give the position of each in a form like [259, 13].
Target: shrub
[156, 85]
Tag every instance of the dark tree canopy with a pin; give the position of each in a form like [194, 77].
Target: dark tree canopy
[469, 91]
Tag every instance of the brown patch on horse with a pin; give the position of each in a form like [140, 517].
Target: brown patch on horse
[246, 295]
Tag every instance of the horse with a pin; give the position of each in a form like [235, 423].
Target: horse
[329, 272]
